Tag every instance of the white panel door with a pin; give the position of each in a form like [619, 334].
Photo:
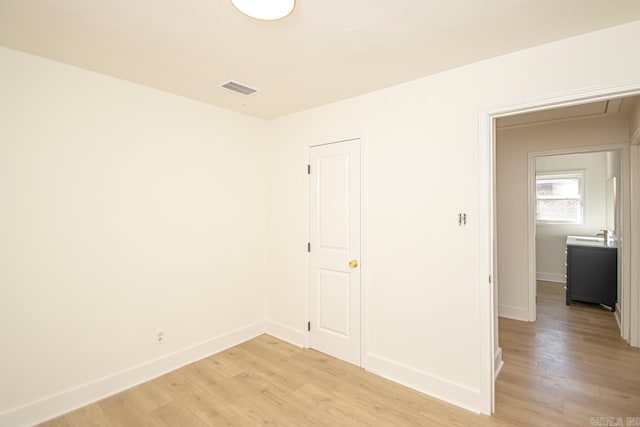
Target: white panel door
[334, 199]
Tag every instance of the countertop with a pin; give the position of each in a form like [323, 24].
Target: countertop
[590, 241]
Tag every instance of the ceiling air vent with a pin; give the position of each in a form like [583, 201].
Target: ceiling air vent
[238, 87]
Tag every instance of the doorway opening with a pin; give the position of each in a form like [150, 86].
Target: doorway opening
[577, 216]
[594, 122]
[551, 182]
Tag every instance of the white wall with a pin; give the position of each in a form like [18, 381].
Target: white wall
[614, 169]
[631, 325]
[551, 238]
[634, 122]
[125, 210]
[421, 168]
[512, 148]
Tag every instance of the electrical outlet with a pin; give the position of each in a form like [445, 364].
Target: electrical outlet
[160, 337]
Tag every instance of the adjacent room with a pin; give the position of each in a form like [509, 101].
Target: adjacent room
[218, 215]
[562, 187]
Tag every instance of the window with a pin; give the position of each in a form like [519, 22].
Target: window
[559, 198]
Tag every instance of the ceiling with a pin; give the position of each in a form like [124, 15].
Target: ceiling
[326, 50]
[610, 107]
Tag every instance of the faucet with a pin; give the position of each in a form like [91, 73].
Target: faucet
[605, 234]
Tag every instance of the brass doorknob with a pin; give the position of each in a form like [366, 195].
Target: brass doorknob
[353, 263]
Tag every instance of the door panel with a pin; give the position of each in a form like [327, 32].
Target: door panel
[334, 302]
[335, 242]
[333, 201]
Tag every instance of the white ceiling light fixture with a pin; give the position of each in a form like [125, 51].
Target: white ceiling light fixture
[266, 10]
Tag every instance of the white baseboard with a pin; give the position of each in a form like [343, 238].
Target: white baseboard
[515, 313]
[550, 277]
[68, 400]
[618, 316]
[448, 391]
[285, 333]
[498, 363]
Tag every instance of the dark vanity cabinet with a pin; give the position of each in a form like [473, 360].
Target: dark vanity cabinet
[592, 272]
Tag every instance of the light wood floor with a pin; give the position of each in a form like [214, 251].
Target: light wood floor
[567, 366]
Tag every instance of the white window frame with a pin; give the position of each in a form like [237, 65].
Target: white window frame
[580, 175]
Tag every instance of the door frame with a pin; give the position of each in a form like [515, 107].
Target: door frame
[488, 261]
[364, 312]
[624, 206]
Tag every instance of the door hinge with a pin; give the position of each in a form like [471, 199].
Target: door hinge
[308, 169]
[489, 278]
[309, 247]
[308, 326]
